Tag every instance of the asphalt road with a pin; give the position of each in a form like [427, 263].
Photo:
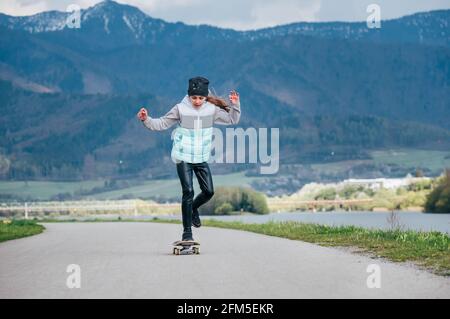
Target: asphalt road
[134, 260]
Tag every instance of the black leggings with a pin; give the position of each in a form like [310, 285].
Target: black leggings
[188, 203]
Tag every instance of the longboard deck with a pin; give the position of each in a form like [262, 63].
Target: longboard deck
[186, 243]
[186, 247]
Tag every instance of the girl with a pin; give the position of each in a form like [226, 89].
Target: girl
[195, 114]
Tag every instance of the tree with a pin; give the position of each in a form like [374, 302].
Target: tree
[438, 201]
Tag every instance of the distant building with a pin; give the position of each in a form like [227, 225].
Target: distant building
[388, 183]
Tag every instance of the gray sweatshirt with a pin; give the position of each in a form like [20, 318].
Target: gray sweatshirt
[192, 138]
[186, 115]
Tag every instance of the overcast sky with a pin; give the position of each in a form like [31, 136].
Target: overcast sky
[243, 14]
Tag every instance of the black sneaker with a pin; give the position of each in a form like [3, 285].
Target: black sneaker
[196, 219]
[187, 236]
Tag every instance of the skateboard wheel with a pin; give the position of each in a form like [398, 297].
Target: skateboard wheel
[196, 251]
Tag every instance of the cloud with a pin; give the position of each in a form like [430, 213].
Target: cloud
[29, 7]
[23, 7]
[243, 14]
[236, 14]
[355, 10]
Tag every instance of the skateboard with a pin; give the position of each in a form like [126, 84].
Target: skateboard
[186, 247]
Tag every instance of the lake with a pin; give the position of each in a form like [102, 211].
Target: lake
[377, 220]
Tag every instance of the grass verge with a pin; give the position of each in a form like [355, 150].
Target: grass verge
[426, 249]
[18, 229]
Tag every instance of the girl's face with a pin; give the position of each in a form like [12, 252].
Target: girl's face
[197, 100]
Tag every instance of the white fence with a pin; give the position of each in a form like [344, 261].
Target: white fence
[129, 207]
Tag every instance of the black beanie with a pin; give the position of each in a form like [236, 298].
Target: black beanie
[198, 86]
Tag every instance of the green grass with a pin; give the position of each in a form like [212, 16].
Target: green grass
[433, 160]
[429, 250]
[45, 190]
[18, 229]
[162, 187]
[166, 187]
[436, 161]
[172, 187]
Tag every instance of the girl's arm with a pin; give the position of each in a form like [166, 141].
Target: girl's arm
[223, 117]
[164, 122]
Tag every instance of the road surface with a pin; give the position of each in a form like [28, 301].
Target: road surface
[134, 260]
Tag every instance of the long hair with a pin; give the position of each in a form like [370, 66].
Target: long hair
[218, 102]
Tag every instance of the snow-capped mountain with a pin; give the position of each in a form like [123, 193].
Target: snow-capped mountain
[118, 48]
[425, 28]
[56, 21]
[42, 22]
[107, 17]
[329, 86]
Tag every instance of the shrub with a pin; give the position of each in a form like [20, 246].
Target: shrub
[224, 209]
[228, 199]
[326, 194]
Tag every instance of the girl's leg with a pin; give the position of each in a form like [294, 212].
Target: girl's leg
[184, 171]
[204, 178]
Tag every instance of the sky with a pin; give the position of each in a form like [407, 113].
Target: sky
[243, 14]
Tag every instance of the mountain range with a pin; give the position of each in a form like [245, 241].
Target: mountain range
[69, 95]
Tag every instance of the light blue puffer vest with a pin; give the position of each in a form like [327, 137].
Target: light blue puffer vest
[192, 139]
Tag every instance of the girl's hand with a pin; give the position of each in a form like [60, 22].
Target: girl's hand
[234, 97]
[142, 114]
